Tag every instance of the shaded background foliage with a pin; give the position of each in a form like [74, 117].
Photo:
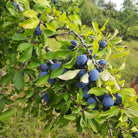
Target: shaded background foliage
[125, 20]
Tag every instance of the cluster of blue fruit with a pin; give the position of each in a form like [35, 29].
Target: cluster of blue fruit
[81, 61]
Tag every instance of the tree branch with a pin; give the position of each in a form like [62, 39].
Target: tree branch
[81, 39]
[110, 129]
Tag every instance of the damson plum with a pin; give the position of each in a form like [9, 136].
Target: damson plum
[43, 73]
[54, 66]
[102, 45]
[91, 100]
[37, 30]
[81, 60]
[93, 75]
[102, 62]
[107, 101]
[74, 42]
[43, 67]
[118, 100]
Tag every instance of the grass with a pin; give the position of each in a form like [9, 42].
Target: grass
[131, 67]
[25, 126]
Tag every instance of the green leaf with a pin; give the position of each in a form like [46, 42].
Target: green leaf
[85, 78]
[70, 64]
[19, 37]
[97, 91]
[94, 125]
[18, 79]
[132, 111]
[57, 72]
[115, 34]
[24, 46]
[91, 114]
[52, 26]
[54, 55]
[77, 110]
[111, 81]
[49, 55]
[33, 65]
[103, 28]
[75, 18]
[30, 13]
[30, 23]
[26, 55]
[95, 47]
[43, 80]
[63, 18]
[7, 78]
[69, 75]
[98, 82]
[115, 41]
[70, 117]
[7, 114]
[104, 75]
[5, 24]
[90, 65]
[73, 27]
[43, 2]
[95, 26]
[114, 111]
[128, 91]
[108, 52]
[119, 55]
[38, 51]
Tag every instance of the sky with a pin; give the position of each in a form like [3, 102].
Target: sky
[117, 2]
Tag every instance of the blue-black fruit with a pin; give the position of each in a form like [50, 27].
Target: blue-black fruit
[68, 112]
[74, 42]
[81, 60]
[102, 62]
[65, 70]
[54, 66]
[91, 100]
[58, 111]
[51, 81]
[71, 47]
[85, 90]
[37, 30]
[118, 100]
[102, 45]
[107, 101]
[79, 85]
[135, 134]
[93, 75]
[55, 1]
[99, 69]
[81, 73]
[45, 97]
[43, 67]
[100, 97]
[43, 73]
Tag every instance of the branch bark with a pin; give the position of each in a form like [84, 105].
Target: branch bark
[110, 129]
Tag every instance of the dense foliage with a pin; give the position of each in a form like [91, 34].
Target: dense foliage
[74, 84]
[125, 20]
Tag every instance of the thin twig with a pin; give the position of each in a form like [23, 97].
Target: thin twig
[110, 129]
[81, 39]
